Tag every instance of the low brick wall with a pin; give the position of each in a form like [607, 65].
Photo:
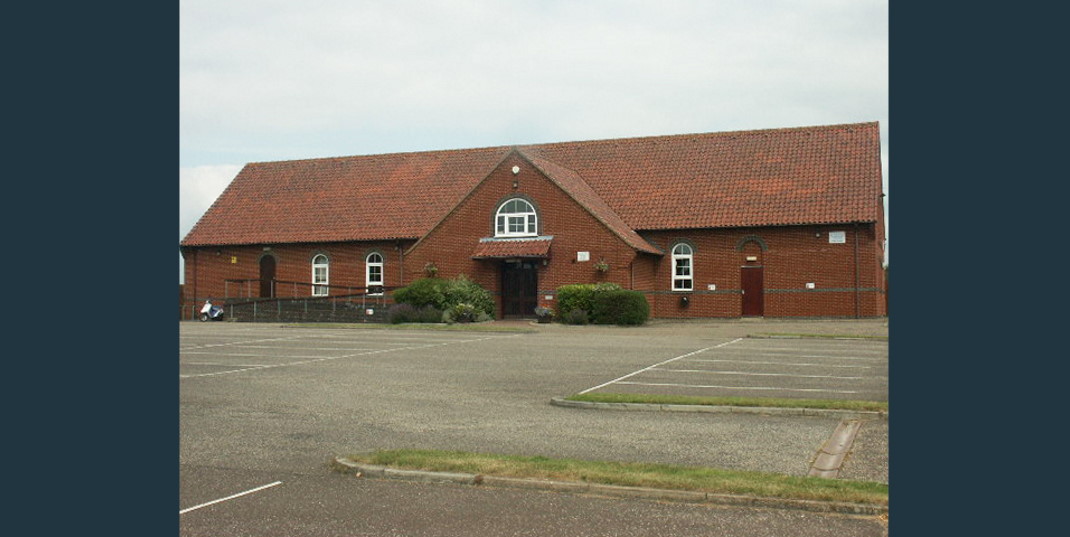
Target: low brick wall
[307, 311]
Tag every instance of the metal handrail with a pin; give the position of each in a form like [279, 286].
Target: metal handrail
[368, 296]
[247, 283]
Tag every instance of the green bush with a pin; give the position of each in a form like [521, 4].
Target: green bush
[620, 307]
[406, 313]
[461, 290]
[422, 292]
[576, 316]
[464, 313]
[601, 303]
[444, 294]
[580, 296]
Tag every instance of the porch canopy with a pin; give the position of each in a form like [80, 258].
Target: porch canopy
[518, 248]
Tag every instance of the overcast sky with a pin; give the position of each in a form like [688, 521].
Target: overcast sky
[267, 80]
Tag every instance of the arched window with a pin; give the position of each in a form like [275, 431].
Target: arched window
[373, 273]
[682, 273]
[320, 264]
[516, 218]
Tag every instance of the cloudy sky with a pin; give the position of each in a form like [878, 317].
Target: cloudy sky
[267, 80]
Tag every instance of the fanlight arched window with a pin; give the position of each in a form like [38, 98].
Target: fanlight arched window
[682, 269]
[516, 218]
[320, 265]
[373, 273]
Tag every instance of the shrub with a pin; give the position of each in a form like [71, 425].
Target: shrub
[580, 296]
[422, 292]
[464, 313]
[620, 307]
[444, 294]
[461, 290]
[407, 313]
[576, 316]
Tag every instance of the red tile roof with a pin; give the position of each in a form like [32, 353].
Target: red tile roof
[342, 199]
[538, 247]
[580, 191]
[805, 175]
[810, 175]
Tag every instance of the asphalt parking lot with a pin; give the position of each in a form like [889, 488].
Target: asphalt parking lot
[262, 403]
[768, 367]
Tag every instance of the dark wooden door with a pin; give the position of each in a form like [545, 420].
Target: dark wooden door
[267, 276]
[519, 290]
[753, 291]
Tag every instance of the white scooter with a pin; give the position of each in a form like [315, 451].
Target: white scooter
[211, 312]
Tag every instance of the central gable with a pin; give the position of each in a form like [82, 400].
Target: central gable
[551, 191]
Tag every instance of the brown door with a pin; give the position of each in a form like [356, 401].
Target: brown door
[519, 289]
[267, 276]
[753, 291]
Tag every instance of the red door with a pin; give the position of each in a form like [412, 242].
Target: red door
[753, 291]
[267, 276]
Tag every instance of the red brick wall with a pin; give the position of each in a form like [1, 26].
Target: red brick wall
[206, 268]
[793, 257]
[451, 244]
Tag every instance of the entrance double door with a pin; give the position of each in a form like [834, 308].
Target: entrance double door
[520, 289]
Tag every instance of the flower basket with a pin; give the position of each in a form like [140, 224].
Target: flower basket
[544, 315]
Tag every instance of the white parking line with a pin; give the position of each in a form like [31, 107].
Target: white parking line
[813, 349]
[659, 364]
[231, 497]
[217, 364]
[304, 348]
[735, 387]
[255, 354]
[239, 370]
[212, 345]
[825, 356]
[792, 364]
[747, 374]
[330, 358]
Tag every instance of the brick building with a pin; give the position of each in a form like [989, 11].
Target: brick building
[777, 223]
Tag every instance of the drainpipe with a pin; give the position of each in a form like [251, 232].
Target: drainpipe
[195, 295]
[401, 264]
[857, 297]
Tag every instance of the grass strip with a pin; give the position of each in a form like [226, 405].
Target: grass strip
[660, 476]
[816, 336]
[658, 399]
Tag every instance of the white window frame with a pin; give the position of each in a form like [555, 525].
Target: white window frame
[683, 256]
[374, 260]
[319, 285]
[516, 221]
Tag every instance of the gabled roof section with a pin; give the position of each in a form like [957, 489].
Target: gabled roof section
[574, 186]
[378, 197]
[776, 177]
